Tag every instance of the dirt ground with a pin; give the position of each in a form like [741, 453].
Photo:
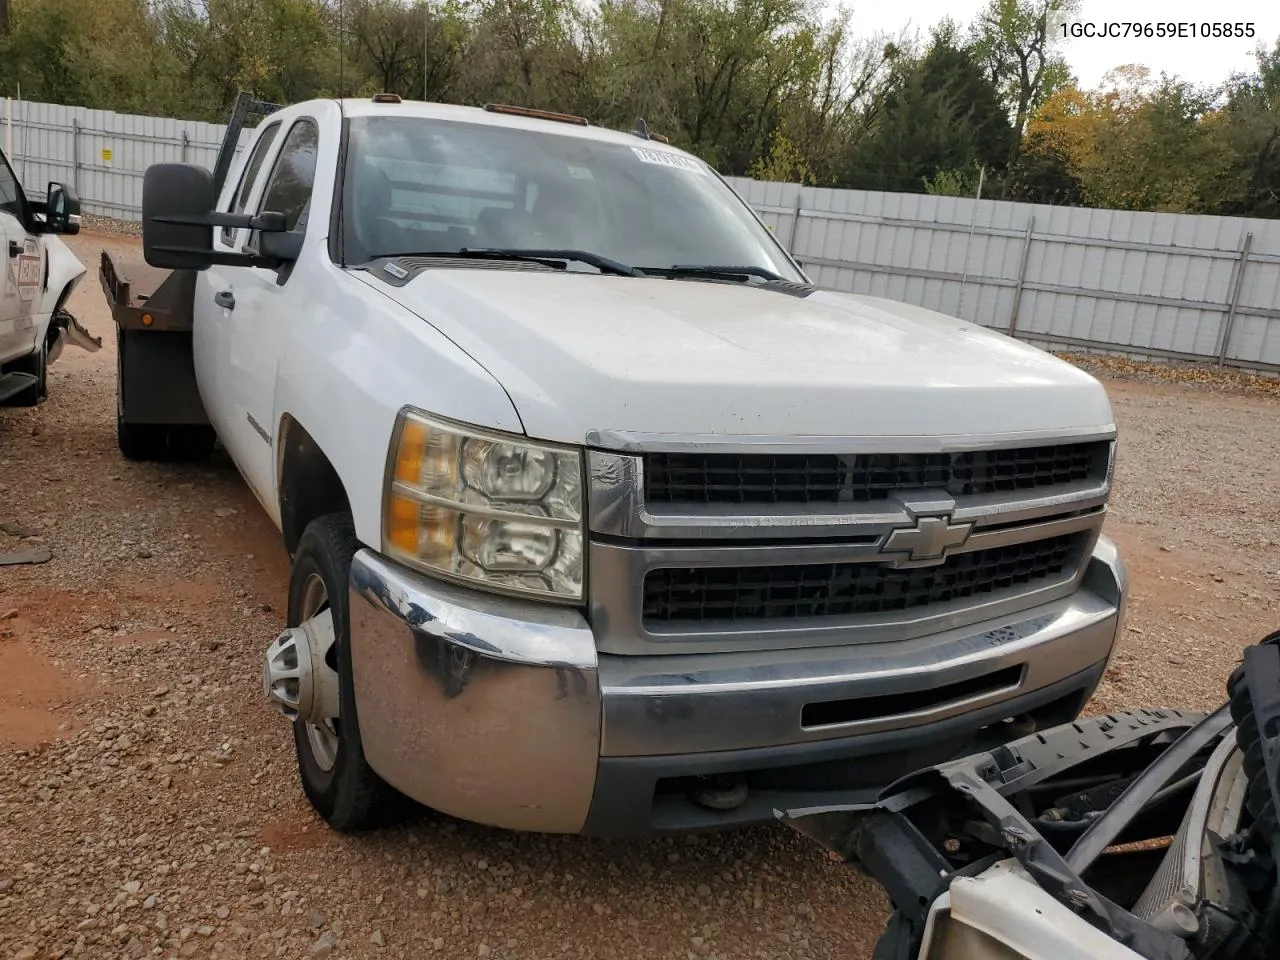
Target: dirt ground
[149, 803]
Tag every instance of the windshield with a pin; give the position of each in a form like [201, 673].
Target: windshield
[432, 186]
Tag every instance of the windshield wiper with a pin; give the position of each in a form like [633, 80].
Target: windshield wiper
[714, 270]
[602, 263]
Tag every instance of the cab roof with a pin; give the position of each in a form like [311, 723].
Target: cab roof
[368, 107]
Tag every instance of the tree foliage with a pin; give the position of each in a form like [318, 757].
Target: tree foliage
[1137, 143]
[776, 89]
[1016, 41]
[941, 115]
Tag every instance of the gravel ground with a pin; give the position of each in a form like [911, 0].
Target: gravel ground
[148, 799]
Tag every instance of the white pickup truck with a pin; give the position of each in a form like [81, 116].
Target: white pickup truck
[602, 518]
[37, 275]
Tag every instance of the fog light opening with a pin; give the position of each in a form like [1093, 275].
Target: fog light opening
[719, 792]
[1023, 725]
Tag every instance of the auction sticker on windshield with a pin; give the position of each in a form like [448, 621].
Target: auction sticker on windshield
[664, 159]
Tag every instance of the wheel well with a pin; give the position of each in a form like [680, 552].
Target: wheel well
[64, 296]
[309, 485]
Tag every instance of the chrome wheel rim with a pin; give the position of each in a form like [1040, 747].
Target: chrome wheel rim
[322, 737]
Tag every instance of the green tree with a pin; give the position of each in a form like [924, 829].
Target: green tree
[1247, 132]
[388, 37]
[952, 183]
[775, 88]
[1016, 42]
[1151, 147]
[944, 115]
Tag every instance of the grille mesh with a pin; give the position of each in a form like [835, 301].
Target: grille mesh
[839, 478]
[702, 594]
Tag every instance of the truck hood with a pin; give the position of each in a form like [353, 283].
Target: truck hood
[580, 353]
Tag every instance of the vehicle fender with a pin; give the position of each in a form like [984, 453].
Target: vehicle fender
[64, 271]
[353, 360]
[54, 326]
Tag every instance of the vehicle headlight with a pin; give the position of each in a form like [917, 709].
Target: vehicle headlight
[484, 508]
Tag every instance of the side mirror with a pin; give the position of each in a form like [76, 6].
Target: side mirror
[281, 247]
[178, 216]
[62, 210]
[177, 198]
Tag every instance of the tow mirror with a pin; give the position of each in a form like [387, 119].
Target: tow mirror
[62, 210]
[178, 216]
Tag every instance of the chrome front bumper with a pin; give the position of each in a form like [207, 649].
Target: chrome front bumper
[501, 711]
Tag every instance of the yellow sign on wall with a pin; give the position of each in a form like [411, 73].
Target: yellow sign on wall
[106, 154]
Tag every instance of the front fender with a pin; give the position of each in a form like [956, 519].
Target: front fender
[57, 326]
[65, 271]
[354, 358]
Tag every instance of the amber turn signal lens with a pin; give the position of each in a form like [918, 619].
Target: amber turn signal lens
[413, 445]
[403, 523]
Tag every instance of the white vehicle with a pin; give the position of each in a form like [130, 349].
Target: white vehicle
[603, 519]
[39, 273]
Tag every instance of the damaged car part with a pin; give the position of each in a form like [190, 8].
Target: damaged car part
[1001, 855]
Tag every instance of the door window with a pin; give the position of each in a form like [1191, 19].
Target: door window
[11, 198]
[289, 189]
[250, 176]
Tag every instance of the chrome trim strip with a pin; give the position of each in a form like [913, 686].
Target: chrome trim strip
[990, 509]
[762, 555]
[616, 507]
[631, 441]
[617, 604]
[727, 702]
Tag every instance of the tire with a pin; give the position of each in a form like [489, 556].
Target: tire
[37, 365]
[342, 787]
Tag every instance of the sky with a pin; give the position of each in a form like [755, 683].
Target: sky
[1201, 61]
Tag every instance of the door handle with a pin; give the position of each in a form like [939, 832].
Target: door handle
[225, 299]
[14, 249]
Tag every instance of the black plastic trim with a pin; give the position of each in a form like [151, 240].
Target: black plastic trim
[627, 802]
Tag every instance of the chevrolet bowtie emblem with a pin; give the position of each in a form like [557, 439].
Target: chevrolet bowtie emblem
[929, 539]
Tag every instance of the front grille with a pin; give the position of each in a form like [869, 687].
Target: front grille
[850, 478]
[674, 595]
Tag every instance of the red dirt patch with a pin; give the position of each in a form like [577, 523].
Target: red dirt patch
[284, 836]
[35, 696]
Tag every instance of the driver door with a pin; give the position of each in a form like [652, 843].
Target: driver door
[21, 270]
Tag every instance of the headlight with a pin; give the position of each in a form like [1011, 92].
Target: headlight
[484, 508]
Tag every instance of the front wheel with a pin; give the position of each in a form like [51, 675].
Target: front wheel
[336, 778]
